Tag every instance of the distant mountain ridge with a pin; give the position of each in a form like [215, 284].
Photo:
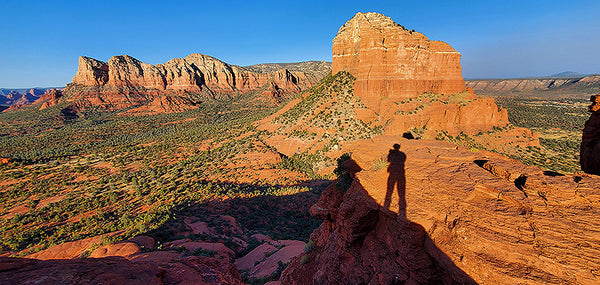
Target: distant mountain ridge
[568, 74]
[541, 86]
[21, 96]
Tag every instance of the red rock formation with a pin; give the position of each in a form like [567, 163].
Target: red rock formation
[590, 140]
[174, 86]
[91, 72]
[49, 98]
[118, 270]
[470, 217]
[392, 62]
[195, 73]
[395, 67]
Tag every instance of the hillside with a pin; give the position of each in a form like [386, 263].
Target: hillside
[321, 68]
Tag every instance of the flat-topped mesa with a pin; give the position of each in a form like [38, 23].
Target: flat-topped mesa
[392, 62]
[194, 73]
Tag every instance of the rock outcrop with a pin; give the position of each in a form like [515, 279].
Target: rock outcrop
[590, 140]
[177, 85]
[392, 62]
[171, 262]
[49, 98]
[407, 81]
[194, 73]
[469, 217]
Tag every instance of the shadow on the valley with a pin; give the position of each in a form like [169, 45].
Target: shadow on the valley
[267, 209]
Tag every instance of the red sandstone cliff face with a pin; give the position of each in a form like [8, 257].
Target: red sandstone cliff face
[175, 86]
[49, 98]
[590, 140]
[455, 217]
[195, 73]
[392, 62]
[395, 67]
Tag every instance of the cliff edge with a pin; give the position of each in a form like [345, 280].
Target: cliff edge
[442, 214]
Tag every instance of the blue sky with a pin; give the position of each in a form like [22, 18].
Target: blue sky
[42, 40]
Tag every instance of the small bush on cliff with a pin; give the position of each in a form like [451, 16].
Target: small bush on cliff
[310, 246]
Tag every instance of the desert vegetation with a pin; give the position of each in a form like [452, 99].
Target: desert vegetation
[102, 172]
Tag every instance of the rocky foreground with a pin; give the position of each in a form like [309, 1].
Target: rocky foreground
[199, 257]
[470, 217]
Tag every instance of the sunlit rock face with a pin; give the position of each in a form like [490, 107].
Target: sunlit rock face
[456, 217]
[194, 73]
[392, 62]
[394, 67]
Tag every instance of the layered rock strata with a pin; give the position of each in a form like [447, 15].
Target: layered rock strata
[49, 98]
[392, 62]
[177, 85]
[395, 67]
[456, 217]
[194, 73]
[590, 140]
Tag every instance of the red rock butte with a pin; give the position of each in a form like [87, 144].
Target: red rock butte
[392, 62]
[194, 73]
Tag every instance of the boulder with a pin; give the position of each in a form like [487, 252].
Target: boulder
[255, 256]
[123, 249]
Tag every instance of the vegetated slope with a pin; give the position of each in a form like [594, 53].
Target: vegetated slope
[558, 122]
[318, 122]
[543, 88]
[321, 68]
[71, 177]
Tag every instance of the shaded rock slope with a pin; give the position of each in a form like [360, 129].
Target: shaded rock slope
[198, 256]
[456, 217]
[590, 140]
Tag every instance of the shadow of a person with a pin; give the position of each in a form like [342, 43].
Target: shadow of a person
[397, 179]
